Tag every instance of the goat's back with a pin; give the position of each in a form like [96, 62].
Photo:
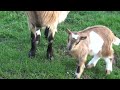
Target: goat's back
[103, 31]
[107, 36]
[46, 18]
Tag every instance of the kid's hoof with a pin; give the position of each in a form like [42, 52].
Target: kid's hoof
[90, 66]
[108, 72]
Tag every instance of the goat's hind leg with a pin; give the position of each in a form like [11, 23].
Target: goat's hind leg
[50, 44]
[108, 61]
[93, 62]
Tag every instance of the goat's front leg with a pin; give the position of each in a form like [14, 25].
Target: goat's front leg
[35, 38]
[108, 65]
[80, 67]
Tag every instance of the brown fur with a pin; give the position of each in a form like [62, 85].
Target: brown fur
[44, 19]
[49, 20]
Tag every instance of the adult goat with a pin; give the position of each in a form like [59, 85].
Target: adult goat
[48, 19]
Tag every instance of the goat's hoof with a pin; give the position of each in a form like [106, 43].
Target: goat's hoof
[31, 54]
[108, 72]
[76, 77]
[90, 66]
[37, 42]
[50, 56]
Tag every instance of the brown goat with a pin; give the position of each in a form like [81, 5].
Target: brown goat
[96, 41]
[48, 19]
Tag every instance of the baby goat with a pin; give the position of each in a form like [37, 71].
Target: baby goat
[96, 41]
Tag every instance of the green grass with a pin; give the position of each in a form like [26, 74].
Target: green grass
[15, 44]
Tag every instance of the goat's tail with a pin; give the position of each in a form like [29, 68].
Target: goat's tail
[116, 41]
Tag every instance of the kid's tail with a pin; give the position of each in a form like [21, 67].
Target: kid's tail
[116, 41]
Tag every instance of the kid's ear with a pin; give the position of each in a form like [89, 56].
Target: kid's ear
[83, 37]
[68, 31]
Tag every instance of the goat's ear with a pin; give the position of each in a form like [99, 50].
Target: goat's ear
[83, 37]
[68, 31]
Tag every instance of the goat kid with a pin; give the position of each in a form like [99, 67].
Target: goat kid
[48, 19]
[95, 41]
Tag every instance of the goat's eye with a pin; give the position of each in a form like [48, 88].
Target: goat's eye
[74, 39]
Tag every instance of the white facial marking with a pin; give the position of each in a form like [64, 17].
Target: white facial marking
[74, 36]
[94, 60]
[108, 64]
[96, 42]
[38, 32]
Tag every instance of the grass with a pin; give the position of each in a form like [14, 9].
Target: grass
[15, 44]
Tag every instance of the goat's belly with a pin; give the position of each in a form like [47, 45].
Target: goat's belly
[91, 52]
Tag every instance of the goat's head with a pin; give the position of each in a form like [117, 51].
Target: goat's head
[74, 39]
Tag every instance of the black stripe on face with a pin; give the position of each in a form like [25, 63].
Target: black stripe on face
[78, 69]
[71, 44]
[70, 47]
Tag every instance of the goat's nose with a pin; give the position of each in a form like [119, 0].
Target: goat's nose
[70, 47]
